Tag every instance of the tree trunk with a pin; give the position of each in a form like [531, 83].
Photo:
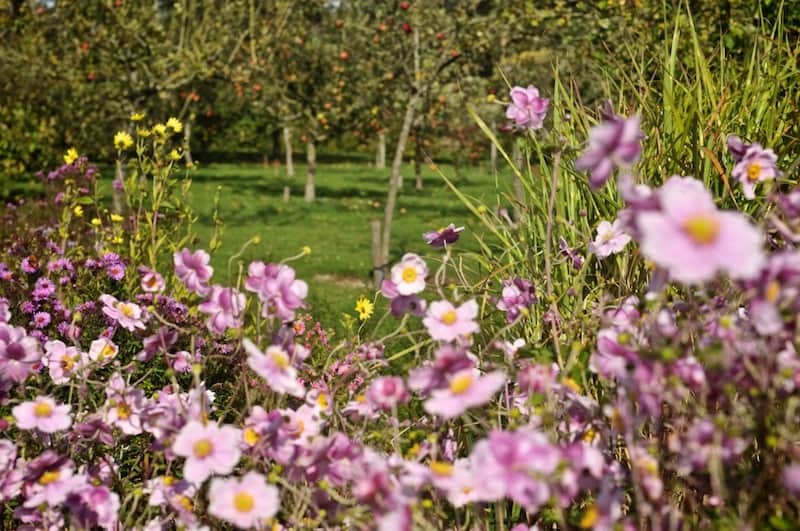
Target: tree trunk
[311, 169]
[187, 142]
[394, 180]
[380, 156]
[418, 158]
[493, 151]
[287, 144]
[118, 195]
[377, 263]
[519, 191]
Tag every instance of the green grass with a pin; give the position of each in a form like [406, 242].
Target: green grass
[336, 226]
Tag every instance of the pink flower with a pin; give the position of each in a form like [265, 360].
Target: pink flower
[409, 275]
[43, 414]
[18, 353]
[53, 485]
[275, 367]
[610, 239]
[193, 270]
[277, 288]
[465, 390]
[755, 165]
[5, 311]
[527, 109]
[102, 350]
[615, 142]
[246, 503]
[693, 240]
[445, 322]
[208, 449]
[152, 282]
[224, 306]
[126, 314]
[62, 361]
[387, 392]
[442, 237]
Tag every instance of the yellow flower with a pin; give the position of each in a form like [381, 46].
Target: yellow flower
[174, 154]
[78, 210]
[306, 249]
[144, 133]
[116, 218]
[96, 222]
[122, 140]
[491, 98]
[364, 308]
[160, 129]
[137, 116]
[175, 125]
[71, 155]
[117, 239]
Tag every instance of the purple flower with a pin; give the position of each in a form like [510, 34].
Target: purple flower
[162, 341]
[5, 311]
[18, 353]
[693, 240]
[44, 288]
[30, 264]
[577, 259]
[614, 142]
[116, 271]
[446, 236]
[224, 307]
[277, 288]
[518, 296]
[193, 270]
[387, 393]
[445, 322]
[465, 390]
[41, 319]
[753, 164]
[402, 304]
[527, 109]
[152, 282]
[610, 239]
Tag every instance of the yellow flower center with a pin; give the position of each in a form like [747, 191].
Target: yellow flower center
[361, 399]
[186, 502]
[152, 282]
[589, 517]
[460, 384]
[772, 292]
[169, 480]
[106, 352]
[202, 448]
[279, 358]
[322, 400]
[440, 468]
[126, 309]
[754, 171]
[42, 409]
[409, 274]
[250, 436]
[449, 317]
[123, 411]
[67, 363]
[49, 477]
[702, 228]
[301, 427]
[243, 502]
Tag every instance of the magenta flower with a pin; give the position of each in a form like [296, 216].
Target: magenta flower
[445, 322]
[527, 109]
[152, 282]
[18, 353]
[446, 236]
[409, 275]
[247, 503]
[275, 367]
[465, 390]
[126, 314]
[41, 319]
[610, 239]
[193, 270]
[387, 392]
[614, 142]
[277, 288]
[693, 240]
[754, 164]
[43, 414]
[224, 307]
[518, 296]
[402, 304]
[208, 449]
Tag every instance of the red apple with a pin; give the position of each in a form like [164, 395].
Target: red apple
[406, 27]
[440, 36]
[344, 56]
[338, 23]
[404, 6]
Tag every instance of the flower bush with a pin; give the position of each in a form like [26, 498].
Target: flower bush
[140, 388]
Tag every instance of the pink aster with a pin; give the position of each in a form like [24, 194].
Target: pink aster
[193, 270]
[248, 502]
[275, 367]
[465, 390]
[224, 308]
[409, 275]
[610, 239]
[19, 353]
[42, 414]
[126, 314]
[445, 322]
[693, 240]
[527, 108]
[208, 449]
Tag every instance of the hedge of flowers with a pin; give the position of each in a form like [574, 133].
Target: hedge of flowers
[142, 389]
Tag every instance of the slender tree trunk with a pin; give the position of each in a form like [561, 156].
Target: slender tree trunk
[187, 142]
[418, 158]
[394, 180]
[287, 144]
[519, 191]
[118, 196]
[311, 169]
[493, 151]
[380, 156]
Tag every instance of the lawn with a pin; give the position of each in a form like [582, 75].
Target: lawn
[336, 226]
